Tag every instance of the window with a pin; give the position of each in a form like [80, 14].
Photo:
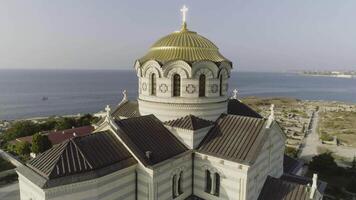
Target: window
[174, 181]
[207, 181]
[180, 183]
[212, 183]
[221, 85]
[177, 184]
[176, 85]
[202, 85]
[217, 184]
[153, 84]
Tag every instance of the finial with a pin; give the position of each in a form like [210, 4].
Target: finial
[235, 92]
[271, 116]
[184, 11]
[124, 95]
[108, 112]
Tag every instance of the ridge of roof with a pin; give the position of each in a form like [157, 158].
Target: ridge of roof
[190, 122]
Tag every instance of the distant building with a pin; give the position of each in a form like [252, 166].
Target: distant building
[183, 138]
[57, 137]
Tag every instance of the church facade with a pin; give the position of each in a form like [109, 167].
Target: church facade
[183, 138]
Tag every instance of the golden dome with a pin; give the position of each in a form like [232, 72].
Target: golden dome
[183, 45]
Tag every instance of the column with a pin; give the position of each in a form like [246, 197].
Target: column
[176, 185]
[213, 185]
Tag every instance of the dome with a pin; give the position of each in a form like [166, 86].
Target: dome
[183, 45]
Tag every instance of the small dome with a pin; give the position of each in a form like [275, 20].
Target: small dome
[183, 45]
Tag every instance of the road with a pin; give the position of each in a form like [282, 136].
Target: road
[10, 192]
[311, 141]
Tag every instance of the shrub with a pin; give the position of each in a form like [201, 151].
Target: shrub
[40, 143]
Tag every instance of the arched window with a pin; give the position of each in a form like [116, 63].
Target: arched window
[207, 181]
[174, 186]
[180, 183]
[202, 85]
[217, 184]
[153, 84]
[176, 85]
[221, 85]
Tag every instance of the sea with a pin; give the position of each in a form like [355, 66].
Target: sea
[40, 93]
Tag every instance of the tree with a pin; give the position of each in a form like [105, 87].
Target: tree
[323, 163]
[65, 123]
[40, 143]
[23, 148]
[351, 186]
[20, 129]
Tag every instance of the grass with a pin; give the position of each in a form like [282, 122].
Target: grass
[341, 124]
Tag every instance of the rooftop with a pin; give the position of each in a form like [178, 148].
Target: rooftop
[235, 138]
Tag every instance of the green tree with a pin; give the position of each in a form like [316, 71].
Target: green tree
[40, 143]
[20, 129]
[323, 163]
[23, 148]
[65, 123]
[351, 186]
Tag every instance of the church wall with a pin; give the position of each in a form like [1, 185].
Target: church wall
[269, 162]
[233, 177]
[118, 185]
[144, 183]
[163, 175]
[170, 111]
[28, 190]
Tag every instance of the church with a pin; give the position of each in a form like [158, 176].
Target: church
[183, 138]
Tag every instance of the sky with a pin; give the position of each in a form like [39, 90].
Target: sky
[256, 35]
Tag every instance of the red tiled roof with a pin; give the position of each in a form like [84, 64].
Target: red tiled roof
[57, 137]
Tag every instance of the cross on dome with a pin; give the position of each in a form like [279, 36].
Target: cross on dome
[184, 11]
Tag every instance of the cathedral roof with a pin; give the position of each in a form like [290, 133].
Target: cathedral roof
[289, 187]
[127, 109]
[148, 139]
[189, 122]
[235, 138]
[80, 155]
[236, 107]
[183, 45]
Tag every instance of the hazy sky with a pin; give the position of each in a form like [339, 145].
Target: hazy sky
[110, 34]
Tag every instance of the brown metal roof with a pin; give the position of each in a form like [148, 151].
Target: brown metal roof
[235, 138]
[236, 107]
[147, 134]
[277, 189]
[189, 122]
[127, 109]
[81, 154]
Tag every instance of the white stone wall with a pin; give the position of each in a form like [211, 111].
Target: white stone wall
[233, 177]
[269, 162]
[118, 185]
[170, 111]
[163, 175]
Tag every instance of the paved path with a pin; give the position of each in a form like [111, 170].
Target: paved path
[10, 192]
[311, 141]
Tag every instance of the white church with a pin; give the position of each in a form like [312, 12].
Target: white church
[183, 138]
